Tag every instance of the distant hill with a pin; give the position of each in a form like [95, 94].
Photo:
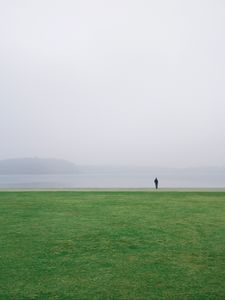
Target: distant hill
[37, 166]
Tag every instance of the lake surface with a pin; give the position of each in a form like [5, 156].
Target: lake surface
[113, 180]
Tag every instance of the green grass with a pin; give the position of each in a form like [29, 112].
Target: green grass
[112, 245]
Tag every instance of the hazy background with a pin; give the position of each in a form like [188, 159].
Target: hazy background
[113, 82]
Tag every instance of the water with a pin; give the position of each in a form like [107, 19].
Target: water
[113, 180]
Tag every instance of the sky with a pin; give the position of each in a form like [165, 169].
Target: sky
[118, 82]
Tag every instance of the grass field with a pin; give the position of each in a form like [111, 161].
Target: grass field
[112, 245]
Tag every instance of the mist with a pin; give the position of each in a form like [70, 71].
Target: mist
[113, 82]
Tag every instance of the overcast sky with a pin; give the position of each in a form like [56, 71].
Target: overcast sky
[113, 82]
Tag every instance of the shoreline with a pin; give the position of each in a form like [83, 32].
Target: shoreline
[112, 190]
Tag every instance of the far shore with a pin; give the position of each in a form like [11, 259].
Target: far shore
[112, 190]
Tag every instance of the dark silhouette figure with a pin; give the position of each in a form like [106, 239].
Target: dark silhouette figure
[156, 183]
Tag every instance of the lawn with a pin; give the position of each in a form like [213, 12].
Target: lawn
[112, 245]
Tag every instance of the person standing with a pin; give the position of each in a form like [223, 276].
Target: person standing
[156, 183]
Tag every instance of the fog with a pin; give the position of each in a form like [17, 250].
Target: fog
[113, 82]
